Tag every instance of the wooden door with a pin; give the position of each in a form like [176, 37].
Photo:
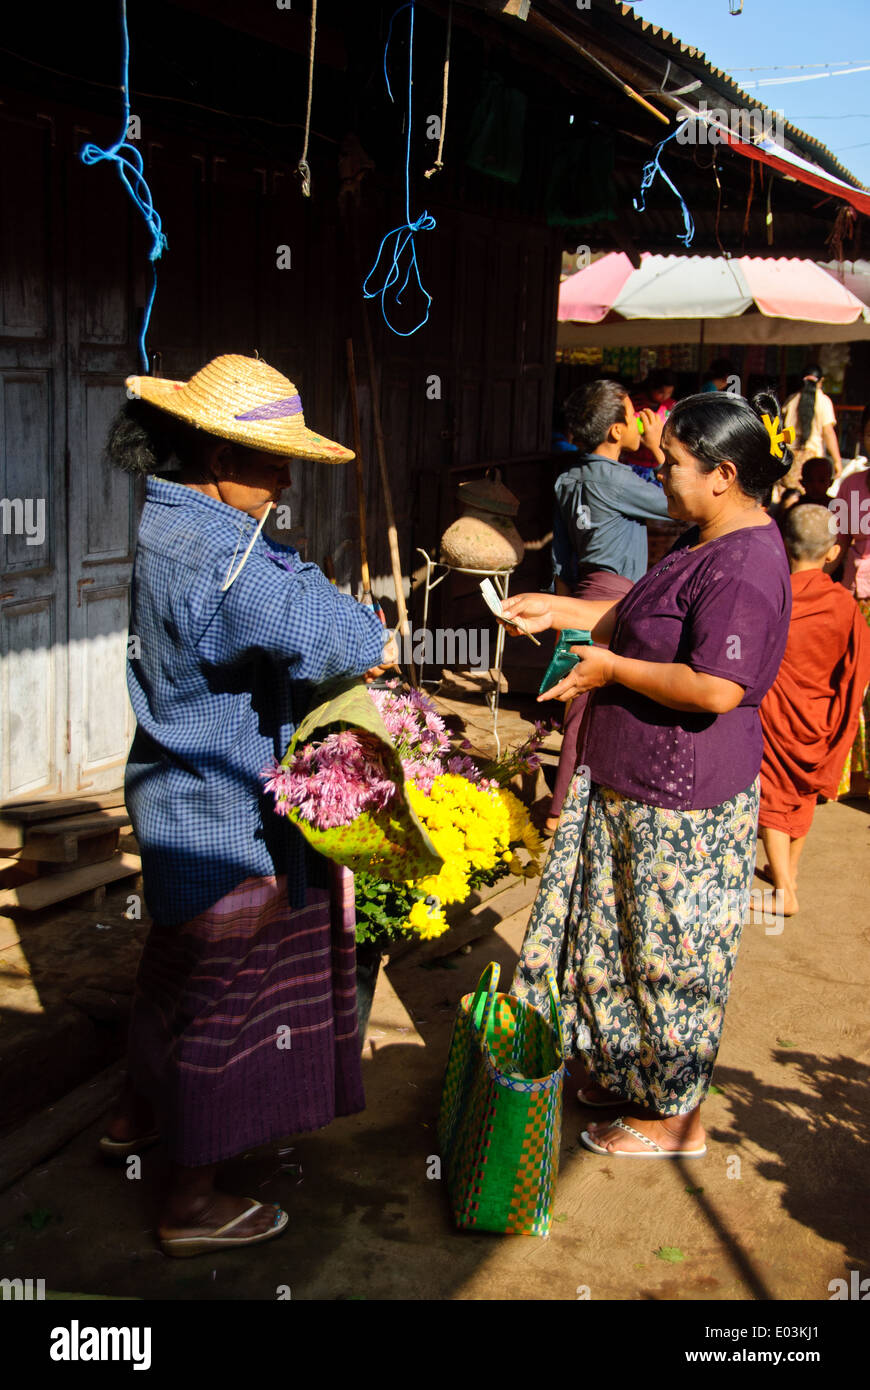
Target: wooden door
[105, 295]
[33, 532]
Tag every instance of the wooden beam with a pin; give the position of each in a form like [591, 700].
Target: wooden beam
[91, 848]
[54, 888]
[11, 835]
[48, 807]
[43, 1134]
[111, 819]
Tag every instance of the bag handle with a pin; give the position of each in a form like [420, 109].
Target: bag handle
[556, 1011]
[488, 980]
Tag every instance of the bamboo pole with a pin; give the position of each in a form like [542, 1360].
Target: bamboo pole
[360, 484]
[542, 23]
[392, 534]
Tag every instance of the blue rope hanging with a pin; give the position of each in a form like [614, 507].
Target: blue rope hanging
[131, 169]
[647, 179]
[402, 237]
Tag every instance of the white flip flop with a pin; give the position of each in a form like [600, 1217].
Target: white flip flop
[181, 1246]
[655, 1150]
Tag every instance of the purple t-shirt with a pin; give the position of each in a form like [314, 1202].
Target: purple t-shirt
[723, 609]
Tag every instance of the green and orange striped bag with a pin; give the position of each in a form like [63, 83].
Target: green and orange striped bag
[500, 1122]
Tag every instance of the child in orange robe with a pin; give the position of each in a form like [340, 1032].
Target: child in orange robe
[810, 714]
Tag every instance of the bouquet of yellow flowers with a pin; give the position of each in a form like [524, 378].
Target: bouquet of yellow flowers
[420, 824]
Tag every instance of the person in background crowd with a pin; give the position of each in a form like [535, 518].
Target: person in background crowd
[852, 508]
[810, 714]
[645, 889]
[560, 441]
[717, 374]
[861, 462]
[789, 499]
[599, 539]
[655, 393]
[816, 477]
[810, 413]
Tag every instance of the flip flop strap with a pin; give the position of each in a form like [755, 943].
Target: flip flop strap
[620, 1123]
[228, 1226]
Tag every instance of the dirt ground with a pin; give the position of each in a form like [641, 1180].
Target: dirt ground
[775, 1211]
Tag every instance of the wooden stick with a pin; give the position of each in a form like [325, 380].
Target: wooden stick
[554, 29]
[360, 484]
[392, 534]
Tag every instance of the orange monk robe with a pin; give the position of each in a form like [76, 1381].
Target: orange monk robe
[809, 716]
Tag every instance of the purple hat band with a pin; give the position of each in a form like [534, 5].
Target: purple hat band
[278, 410]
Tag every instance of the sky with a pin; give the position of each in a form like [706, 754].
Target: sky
[788, 39]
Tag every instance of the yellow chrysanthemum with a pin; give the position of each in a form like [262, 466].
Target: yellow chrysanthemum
[518, 816]
[427, 924]
[471, 827]
[532, 841]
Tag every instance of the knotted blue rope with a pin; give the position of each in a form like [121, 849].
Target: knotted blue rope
[402, 237]
[131, 169]
[647, 179]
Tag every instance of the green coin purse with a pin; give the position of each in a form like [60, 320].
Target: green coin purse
[563, 659]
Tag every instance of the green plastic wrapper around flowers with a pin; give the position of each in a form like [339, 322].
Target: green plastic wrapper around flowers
[391, 843]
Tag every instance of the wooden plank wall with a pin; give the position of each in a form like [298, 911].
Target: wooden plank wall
[490, 340]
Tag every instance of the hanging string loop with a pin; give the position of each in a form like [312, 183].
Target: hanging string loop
[399, 243]
[303, 167]
[439, 160]
[648, 176]
[131, 168]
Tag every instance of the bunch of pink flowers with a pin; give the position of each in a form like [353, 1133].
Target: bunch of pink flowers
[420, 737]
[333, 782]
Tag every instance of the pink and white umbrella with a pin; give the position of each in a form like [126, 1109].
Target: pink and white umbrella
[671, 290]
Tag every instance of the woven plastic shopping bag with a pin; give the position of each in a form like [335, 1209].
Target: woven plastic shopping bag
[500, 1123]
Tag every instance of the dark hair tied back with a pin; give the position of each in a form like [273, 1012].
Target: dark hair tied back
[719, 428]
[145, 440]
[806, 408]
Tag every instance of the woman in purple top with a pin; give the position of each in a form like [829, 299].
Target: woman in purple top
[647, 882]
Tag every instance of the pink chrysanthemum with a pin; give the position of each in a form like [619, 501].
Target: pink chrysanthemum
[333, 782]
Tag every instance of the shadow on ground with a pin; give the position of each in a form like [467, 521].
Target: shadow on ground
[817, 1134]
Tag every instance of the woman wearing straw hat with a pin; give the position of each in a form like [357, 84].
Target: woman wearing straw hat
[244, 1020]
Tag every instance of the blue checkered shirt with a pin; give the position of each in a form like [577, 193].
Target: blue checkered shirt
[218, 684]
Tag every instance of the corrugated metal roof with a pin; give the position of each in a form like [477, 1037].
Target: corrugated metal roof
[813, 148]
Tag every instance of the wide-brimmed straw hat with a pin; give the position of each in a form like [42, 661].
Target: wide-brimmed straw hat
[245, 400]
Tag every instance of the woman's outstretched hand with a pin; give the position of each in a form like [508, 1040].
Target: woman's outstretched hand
[594, 668]
[536, 610]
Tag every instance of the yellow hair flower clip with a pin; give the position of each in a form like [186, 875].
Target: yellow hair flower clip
[778, 437]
